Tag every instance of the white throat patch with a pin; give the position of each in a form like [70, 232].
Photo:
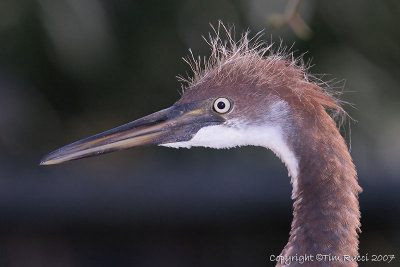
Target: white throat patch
[223, 136]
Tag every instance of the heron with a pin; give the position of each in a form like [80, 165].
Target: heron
[246, 93]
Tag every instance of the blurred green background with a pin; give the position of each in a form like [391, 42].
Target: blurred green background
[71, 68]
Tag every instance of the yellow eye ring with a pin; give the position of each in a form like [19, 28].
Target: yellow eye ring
[222, 105]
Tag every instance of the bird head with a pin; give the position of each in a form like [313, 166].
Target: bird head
[244, 94]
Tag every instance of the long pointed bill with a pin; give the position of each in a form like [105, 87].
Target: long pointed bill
[175, 124]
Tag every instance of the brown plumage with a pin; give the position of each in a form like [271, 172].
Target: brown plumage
[247, 94]
[253, 62]
[326, 210]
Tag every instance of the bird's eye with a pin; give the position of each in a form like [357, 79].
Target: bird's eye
[222, 105]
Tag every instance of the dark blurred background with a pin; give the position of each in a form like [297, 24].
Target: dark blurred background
[71, 68]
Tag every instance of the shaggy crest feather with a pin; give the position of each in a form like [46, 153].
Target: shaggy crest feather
[252, 61]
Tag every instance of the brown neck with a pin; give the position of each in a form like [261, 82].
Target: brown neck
[326, 210]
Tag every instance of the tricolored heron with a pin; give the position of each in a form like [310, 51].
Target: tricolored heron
[246, 94]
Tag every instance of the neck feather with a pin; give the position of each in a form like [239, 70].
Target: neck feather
[326, 210]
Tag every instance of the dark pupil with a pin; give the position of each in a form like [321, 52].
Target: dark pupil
[221, 105]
